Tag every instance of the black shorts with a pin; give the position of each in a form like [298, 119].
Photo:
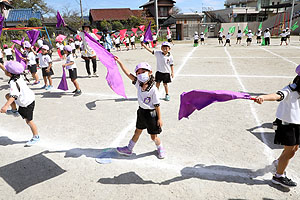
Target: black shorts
[127, 44]
[154, 41]
[288, 36]
[1, 60]
[227, 40]
[202, 39]
[44, 73]
[77, 46]
[132, 43]
[117, 45]
[239, 38]
[249, 39]
[258, 37]
[73, 73]
[288, 135]
[73, 50]
[27, 112]
[283, 39]
[146, 42]
[147, 119]
[32, 68]
[9, 57]
[162, 77]
[170, 40]
[220, 38]
[196, 41]
[62, 52]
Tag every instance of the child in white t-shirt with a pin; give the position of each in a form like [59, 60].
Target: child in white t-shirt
[165, 68]
[148, 114]
[142, 40]
[239, 37]
[20, 95]
[154, 36]
[132, 41]
[258, 36]
[249, 38]
[8, 52]
[220, 37]
[228, 36]
[31, 62]
[127, 42]
[45, 63]
[196, 39]
[118, 43]
[283, 37]
[72, 44]
[71, 66]
[201, 38]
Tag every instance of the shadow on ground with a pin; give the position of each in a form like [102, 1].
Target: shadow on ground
[92, 105]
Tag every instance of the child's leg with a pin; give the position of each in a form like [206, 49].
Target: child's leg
[35, 76]
[75, 84]
[155, 139]
[50, 80]
[13, 104]
[286, 155]
[166, 88]
[32, 127]
[136, 135]
[157, 85]
[45, 80]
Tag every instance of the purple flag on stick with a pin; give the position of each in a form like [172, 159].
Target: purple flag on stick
[33, 36]
[19, 59]
[63, 85]
[148, 34]
[1, 23]
[60, 20]
[113, 76]
[18, 41]
[199, 99]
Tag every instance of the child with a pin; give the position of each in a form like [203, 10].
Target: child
[71, 66]
[249, 39]
[132, 41]
[267, 36]
[202, 38]
[288, 127]
[283, 37]
[127, 41]
[45, 63]
[154, 40]
[165, 68]
[148, 114]
[288, 34]
[21, 95]
[258, 36]
[228, 36]
[196, 39]
[239, 37]
[169, 37]
[31, 62]
[8, 52]
[1, 56]
[220, 37]
[77, 45]
[72, 44]
[118, 41]
[142, 40]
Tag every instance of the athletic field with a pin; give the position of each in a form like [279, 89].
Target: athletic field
[224, 151]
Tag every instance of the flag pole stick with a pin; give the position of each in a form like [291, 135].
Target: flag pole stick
[292, 13]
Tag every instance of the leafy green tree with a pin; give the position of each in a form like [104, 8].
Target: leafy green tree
[132, 22]
[117, 25]
[34, 22]
[105, 25]
[37, 5]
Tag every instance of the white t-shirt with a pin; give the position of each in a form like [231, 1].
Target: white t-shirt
[202, 36]
[61, 46]
[283, 35]
[40, 43]
[169, 36]
[228, 36]
[132, 39]
[73, 45]
[70, 58]
[31, 58]
[77, 43]
[1, 54]
[147, 99]
[44, 60]
[196, 37]
[127, 40]
[289, 108]
[25, 96]
[163, 62]
[8, 51]
[288, 33]
[239, 35]
[267, 34]
[142, 38]
[117, 41]
[258, 33]
[221, 35]
[154, 37]
[250, 35]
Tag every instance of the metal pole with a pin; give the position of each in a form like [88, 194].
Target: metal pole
[48, 36]
[292, 13]
[81, 10]
[156, 15]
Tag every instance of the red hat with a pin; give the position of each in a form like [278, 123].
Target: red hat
[127, 35]
[154, 33]
[141, 35]
[131, 34]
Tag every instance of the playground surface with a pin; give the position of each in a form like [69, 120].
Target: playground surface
[224, 151]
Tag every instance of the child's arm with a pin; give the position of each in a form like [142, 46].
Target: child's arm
[172, 71]
[268, 97]
[49, 67]
[5, 107]
[67, 64]
[2, 67]
[32, 49]
[124, 69]
[147, 48]
[159, 120]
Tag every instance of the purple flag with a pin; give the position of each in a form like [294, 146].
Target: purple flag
[1, 23]
[33, 36]
[19, 59]
[113, 76]
[148, 34]
[199, 99]
[19, 42]
[63, 85]
[60, 20]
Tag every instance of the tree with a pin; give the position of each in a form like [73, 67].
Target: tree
[132, 22]
[34, 22]
[117, 25]
[105, 26]
[175, 10]
[37, 5]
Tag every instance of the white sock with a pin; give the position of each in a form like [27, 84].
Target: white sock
[278, 175]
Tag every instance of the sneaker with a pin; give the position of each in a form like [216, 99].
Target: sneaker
[96, 75]
[36, 82]
[74, 91]
[44, 87]
[77, 93]
[50, 87]
[283, 181]
[90, 76]
[15, 113]
[161, 152]
[167, 98]
[33, 141]
[124, 151]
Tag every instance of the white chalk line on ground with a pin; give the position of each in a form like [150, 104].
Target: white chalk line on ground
[232, 76]
[267, 150]
[239, 57]
[275, 54]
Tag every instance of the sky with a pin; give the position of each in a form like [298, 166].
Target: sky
[185, 5]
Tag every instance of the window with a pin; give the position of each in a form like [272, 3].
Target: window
[163, 12]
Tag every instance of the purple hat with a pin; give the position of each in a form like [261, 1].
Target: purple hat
[27, 44]
[68, 48]
[298, 70]
[45, 47]
[143, 65]
[166, 44]
[14, 67]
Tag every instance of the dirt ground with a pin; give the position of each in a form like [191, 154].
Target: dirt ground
[224, 151]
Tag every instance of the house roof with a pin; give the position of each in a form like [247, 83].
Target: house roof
[17, 15]
[6, 4]
[152, 2]
[114, 14]
[182, 16]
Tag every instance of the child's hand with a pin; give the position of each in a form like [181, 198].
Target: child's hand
[64, 65]
[117, 59]
[48, 69]
[4, 109]
[172, 74]
[259, 99]
[159, 123]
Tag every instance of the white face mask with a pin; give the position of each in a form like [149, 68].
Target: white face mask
[144, 77]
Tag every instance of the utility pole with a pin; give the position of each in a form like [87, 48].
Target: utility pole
[292, 13]
[156, 15]
[81, 9]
